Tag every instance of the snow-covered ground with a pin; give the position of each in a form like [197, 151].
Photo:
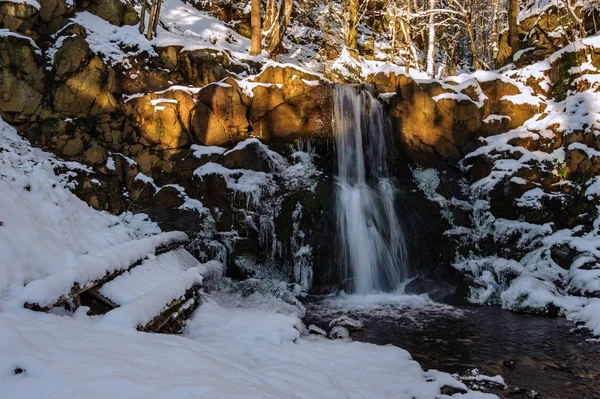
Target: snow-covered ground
[227, 351]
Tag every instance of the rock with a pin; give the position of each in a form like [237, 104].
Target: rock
[95, 155]
[254, 156]
[450, 390]
[312, 329]
[308, 115]
[163, 121]
[21, 79]
[18, 17]
[426, 131]
[350, 323]
[339, 332]
[109, 10]
[53, 14]
[85, 85]
[220, 114]
[283, 75]
[200, 67]
[130, 16]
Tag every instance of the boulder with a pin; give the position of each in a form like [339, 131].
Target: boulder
[427, 131]
[21, 79]
[199, 67]
[253, 155]
[220, 114]
[162, 121]
[278, 118]
[53, 14]
[312, 329]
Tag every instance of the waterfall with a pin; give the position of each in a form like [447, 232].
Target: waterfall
[372, 245]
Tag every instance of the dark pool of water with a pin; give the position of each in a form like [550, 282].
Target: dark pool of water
[534, 353]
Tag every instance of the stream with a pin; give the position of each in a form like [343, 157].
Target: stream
[538, 357]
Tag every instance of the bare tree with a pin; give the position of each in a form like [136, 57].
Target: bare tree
[255, 27]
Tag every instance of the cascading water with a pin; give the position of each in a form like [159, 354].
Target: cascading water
[372, 243]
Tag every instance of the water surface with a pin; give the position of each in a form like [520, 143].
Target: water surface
[549, 356]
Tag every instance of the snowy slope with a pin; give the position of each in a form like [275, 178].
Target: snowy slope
[44, 228]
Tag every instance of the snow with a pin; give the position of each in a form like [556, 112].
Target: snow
[7, 32]
[45, 229]
[93, 266]
[226, 353]
[147, 276]
[200, 150]
[108, 40]
[143, 309]
[197, 30]
[250, 183]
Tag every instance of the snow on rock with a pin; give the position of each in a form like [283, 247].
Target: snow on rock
[7, 32]
[201, 150]
[347, 322]
[252, 184]
[109, 40]
[339, 332]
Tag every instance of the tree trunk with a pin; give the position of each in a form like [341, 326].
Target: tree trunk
[143, 17]
[476, 63]
[157, 17]
[255, 27]
[495, 31]
[394, 31]
[352, 39]
[151, 21]
[513, 26]
[431, 41]
[277, 16]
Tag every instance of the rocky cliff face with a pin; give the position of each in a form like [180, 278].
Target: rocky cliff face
[178, 131]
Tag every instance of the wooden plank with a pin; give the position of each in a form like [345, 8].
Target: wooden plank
[160, 320]
[77, 289]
